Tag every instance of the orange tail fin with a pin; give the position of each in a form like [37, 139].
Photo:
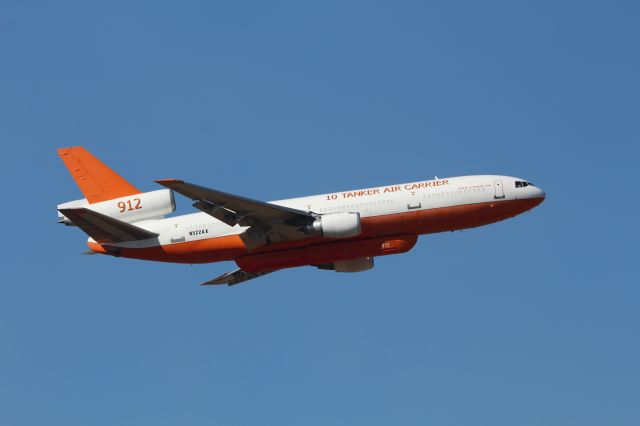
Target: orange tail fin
[95, 179]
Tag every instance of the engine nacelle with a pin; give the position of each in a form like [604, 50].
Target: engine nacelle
[353, 265]
[338, 225]
[132, 208]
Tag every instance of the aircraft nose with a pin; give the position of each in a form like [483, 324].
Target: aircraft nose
[539, 193]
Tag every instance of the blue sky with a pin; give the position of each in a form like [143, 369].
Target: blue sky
[531, 321]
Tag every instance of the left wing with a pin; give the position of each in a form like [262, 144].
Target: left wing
[267, 222]
[236, 277]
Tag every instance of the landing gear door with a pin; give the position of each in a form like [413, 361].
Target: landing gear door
[497, 184]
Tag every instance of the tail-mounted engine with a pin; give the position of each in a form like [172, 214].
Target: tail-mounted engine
[132, 208]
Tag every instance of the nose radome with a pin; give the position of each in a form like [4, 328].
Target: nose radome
[539, 193]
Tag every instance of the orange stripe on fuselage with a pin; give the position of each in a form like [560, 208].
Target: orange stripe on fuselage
[200, 251]
[416, 222]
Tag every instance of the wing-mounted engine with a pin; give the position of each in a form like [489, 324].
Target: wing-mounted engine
[351, 265]
[132, 208]
[338, 225]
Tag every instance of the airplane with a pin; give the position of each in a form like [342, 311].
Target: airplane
[341, 231]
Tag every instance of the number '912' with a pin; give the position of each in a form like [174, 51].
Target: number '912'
[129, 205]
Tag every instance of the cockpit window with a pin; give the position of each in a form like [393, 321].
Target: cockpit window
[522, 184]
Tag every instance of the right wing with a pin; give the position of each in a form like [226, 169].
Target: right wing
[236, 277]
[105, 229]
[268, 222]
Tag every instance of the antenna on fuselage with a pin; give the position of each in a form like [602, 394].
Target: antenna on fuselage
[436, 177]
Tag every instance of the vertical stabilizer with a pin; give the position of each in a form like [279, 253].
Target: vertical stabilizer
[94, 178]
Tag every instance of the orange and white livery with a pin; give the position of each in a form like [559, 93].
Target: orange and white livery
[341, 231]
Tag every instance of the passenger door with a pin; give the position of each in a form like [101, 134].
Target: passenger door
[178, 233]
[499, 188]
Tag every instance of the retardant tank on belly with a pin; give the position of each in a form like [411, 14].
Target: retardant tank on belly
[326, 253]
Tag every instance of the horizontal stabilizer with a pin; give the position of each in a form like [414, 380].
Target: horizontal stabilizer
[236, 277]
[105, 229]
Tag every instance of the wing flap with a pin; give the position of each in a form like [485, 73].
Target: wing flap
[105, 229]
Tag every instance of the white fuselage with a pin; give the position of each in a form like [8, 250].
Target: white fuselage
[370, 202]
